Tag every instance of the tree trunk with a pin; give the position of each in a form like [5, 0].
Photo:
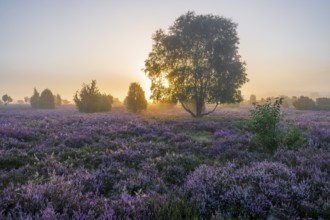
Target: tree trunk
[199, 108]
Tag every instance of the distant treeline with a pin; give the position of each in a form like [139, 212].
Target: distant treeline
[89, 99]
[301, 103]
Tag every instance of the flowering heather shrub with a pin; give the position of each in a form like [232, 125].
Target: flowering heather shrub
[58, 197]
[255, 191]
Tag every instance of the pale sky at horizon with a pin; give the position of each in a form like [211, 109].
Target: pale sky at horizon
[62, 44]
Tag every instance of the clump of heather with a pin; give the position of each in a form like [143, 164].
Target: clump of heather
[59, 197]
[258, 190]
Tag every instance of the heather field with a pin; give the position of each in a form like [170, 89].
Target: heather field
[162, 164]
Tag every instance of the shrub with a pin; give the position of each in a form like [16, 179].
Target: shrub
[58, 100]
[34, 100]
[270, 132]
[46, 100]
[90, 100]
[264, 123]
[6, 99]
[294, 137]
[323, 104]
[304, 103]
[135, 99]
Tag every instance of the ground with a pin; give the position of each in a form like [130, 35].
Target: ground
[161, 164]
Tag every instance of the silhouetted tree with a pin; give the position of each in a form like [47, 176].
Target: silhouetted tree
[135, 100]
[89, 99]
[323, 103]
[26, 99]
[304, 103]
[253, 99]
[46, 100]
[198, 57]
[6, 99]
[58, 100]
[34, 100]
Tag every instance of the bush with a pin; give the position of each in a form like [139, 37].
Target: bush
[135, 100]
[90, 100]
[304, 103]
[46, 100]
[264, 123]
[294, 137]
[323, 104]
[6, 99]
[58, 100]
[34, 100]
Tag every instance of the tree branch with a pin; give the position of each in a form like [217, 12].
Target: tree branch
[188, 110]
[207, 113]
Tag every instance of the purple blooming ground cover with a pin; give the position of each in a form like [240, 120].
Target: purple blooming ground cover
[62, 164]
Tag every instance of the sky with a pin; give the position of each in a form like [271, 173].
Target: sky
[61, 44]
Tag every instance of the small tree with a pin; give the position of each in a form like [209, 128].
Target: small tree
[304, 103]
[6, 99]
[58, 100]
[253, 99]
[90, 100]
[46, 100]
[26, 99]
[34, 100]
[135, 99]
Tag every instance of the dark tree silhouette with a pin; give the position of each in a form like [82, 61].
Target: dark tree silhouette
[90, 100]
[34, 100]
[253, 99]
[26, 99]
[323, 103]
[304, 103]
[135, 100]
[46, 100]
[58, 100]
[6, 99]
[198, 59]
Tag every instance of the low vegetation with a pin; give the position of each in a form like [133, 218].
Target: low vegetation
[63, 164]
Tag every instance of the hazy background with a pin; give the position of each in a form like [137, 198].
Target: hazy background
[61, 44]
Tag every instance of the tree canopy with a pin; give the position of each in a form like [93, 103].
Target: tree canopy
[6, 99]
[135, 100]
[198, 58]
[89, 99]
[46, 99]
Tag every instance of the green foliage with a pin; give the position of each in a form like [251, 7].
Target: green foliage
[90, 100]
[304, 103]
[46, 100]
[175, 210]
[6, 99]
[135, 100]
[196, 61]
[294, 137]
[265, 121]
[34, 100]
